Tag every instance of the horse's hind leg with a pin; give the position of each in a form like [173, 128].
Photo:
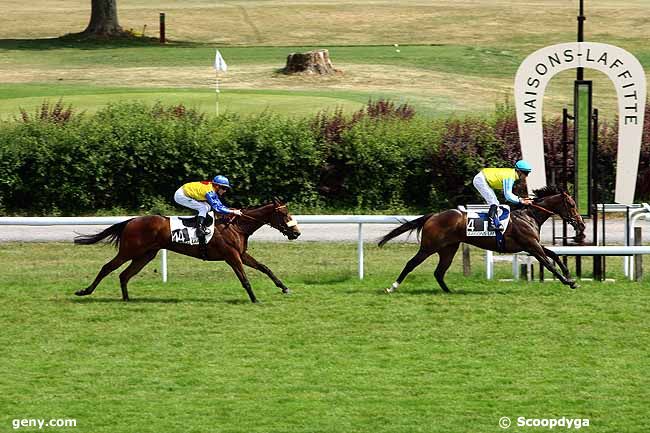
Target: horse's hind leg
[136, 266]
[415, 261]
[446, 257]
[105, 270]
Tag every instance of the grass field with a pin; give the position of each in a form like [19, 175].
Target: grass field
[337, 355]
[456, 57]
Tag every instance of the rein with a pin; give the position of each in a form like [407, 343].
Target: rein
[256, 220]
[542, 208]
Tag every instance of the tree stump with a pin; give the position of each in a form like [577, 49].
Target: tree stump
[311, 62]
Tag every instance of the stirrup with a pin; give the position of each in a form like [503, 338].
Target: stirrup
[494, 228]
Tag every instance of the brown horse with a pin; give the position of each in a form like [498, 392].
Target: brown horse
[139, 240]
[442, 233]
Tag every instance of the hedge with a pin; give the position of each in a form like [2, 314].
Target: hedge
[132, 157]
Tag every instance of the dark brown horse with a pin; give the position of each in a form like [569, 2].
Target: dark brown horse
[139, 240]
[443, 232]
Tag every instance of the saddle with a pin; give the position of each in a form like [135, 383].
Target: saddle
[191, 221]
[477, 222]
[183, 229]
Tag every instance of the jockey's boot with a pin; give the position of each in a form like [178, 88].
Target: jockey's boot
[201, 229]
[493, 220]
[200, 233]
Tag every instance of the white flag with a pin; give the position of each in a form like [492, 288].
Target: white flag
[220, 63]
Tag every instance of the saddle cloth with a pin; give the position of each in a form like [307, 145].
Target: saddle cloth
[477, 222]
[184, 229]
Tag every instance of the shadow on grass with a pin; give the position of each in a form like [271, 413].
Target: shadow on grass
[327, 279]
[72, 41]
[144, 300]
[241, 302]
[457, 292]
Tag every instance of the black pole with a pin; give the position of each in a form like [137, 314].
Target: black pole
[598, 264]
[565, 168]
[163, 38]
[581, 36]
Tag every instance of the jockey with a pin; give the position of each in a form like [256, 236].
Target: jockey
[202, 196]
[490, 179]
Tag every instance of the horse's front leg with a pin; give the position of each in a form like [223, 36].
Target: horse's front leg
[248, 260]
[235, 262]
[538, 252]
[560, 263]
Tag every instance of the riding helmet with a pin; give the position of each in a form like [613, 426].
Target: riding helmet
[524, 166]
[221, 181]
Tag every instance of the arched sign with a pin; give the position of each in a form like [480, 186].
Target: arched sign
[628, 78]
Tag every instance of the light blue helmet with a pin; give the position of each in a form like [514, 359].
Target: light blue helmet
[221, 180]
[524, 166]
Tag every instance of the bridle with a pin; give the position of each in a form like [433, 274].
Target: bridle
[570, 218]
[270, 223]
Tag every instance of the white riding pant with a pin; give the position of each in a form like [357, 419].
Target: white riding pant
[481, 184]
[200, 206]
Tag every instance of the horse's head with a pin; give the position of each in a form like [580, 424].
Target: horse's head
[282, 220]
[561, 203]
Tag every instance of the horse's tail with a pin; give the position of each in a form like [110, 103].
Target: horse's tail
[113, 233]
[408, 226]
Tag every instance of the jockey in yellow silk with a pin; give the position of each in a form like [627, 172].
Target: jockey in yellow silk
[203, 196]
[490, 179]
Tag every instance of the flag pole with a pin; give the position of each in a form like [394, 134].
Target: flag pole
[216, 105]
[219, 66]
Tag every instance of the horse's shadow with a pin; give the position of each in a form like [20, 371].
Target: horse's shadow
[155, 300]
[438, 292]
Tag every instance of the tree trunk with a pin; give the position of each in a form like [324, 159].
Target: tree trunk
[103, 19]
[311, 62]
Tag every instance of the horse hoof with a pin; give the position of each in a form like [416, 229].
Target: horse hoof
[286, 291]
[81, 292]
[574, 285]
[388, 290]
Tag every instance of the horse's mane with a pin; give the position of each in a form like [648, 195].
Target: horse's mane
[546, 191]
[259, 205]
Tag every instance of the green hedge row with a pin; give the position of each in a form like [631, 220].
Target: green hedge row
[133, 157]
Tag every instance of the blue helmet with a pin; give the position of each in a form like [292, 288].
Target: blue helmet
[221, 180]
[522, 165]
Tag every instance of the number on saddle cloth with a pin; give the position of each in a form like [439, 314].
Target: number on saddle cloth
[183, 229]
[477, 222]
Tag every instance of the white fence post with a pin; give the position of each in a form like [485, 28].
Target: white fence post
[639, 211]
[489, 264]
[515, 266]
[163, 265]
[360, 248]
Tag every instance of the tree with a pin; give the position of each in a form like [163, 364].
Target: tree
[103, 20]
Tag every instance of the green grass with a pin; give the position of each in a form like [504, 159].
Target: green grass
[82, 98]
[90, 94]
[454, 58]
[13, 98]
[338, 355]
[459, 59]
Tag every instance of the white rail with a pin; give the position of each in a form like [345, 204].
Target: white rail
[360, 220]
[639, 210]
